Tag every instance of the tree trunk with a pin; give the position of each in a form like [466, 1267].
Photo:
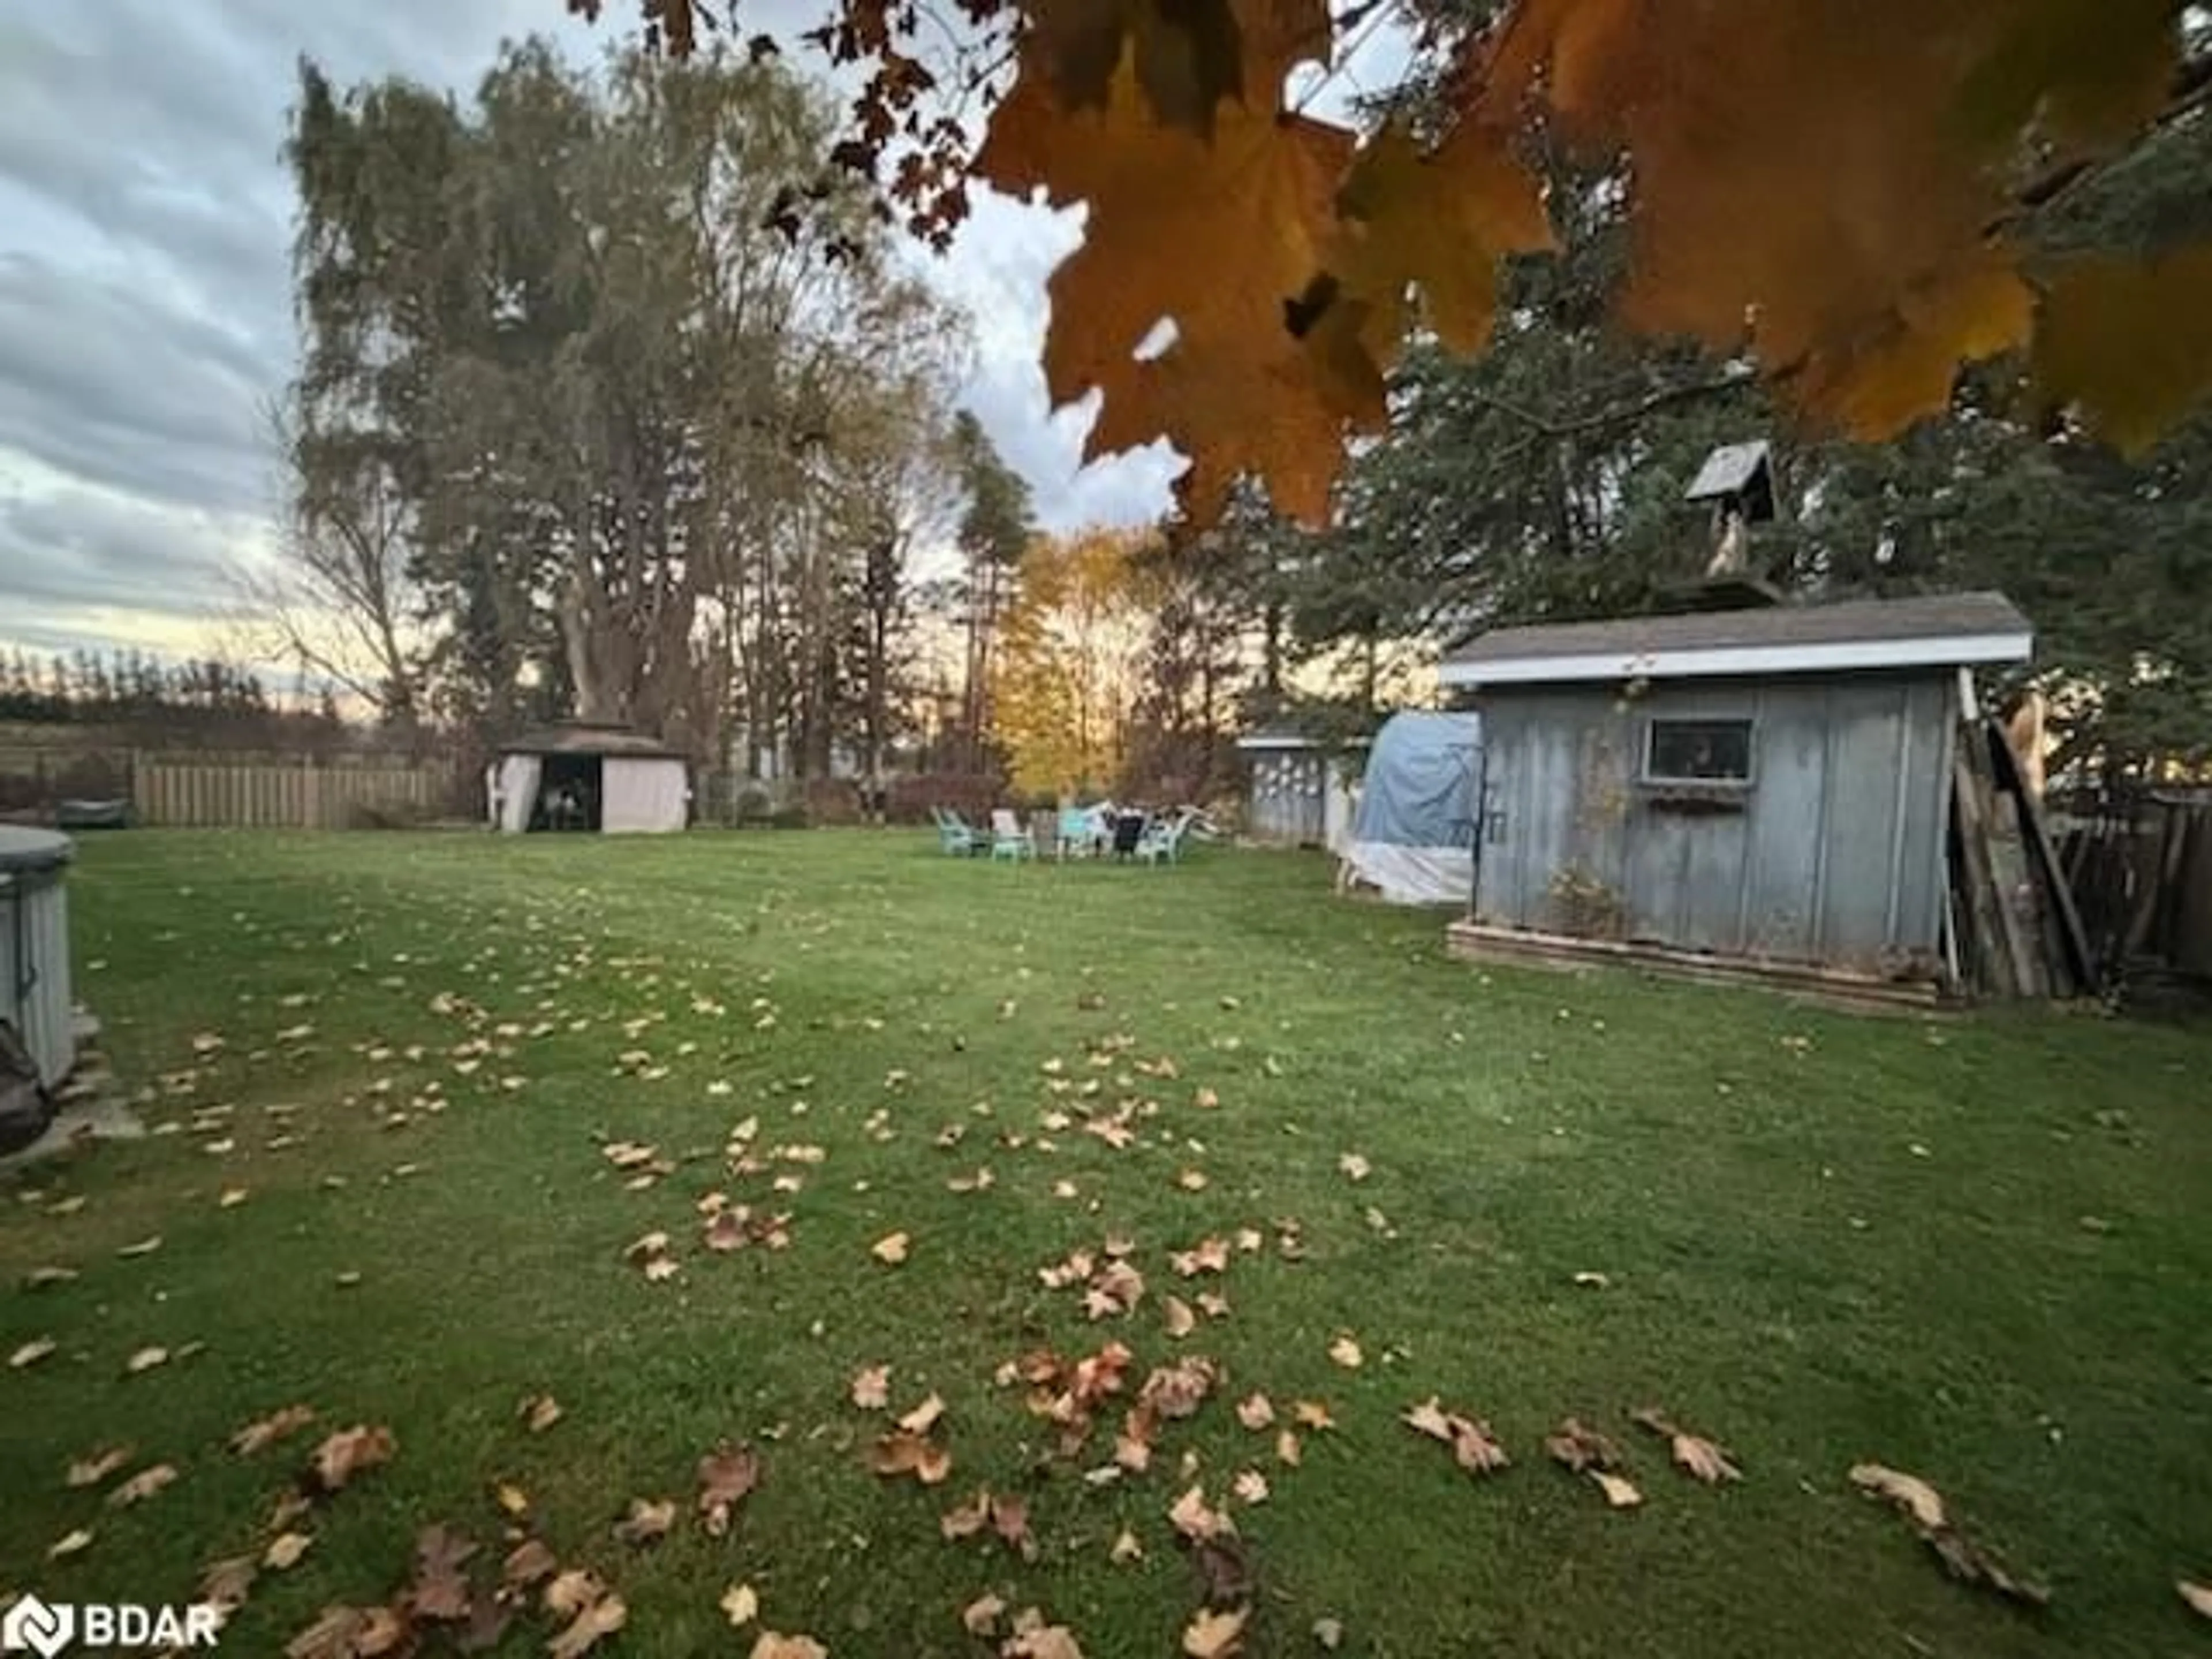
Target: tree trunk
[582, 634]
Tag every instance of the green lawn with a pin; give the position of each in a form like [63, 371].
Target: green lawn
[1976, 1250]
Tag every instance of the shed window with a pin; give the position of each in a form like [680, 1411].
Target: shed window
[1698, 751]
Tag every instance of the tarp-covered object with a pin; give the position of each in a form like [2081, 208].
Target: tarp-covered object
[1413, 835]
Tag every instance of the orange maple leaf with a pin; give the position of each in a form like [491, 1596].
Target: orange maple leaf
[1237, 389]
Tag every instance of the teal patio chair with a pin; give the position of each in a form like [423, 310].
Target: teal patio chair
[955, 836]
[1078, 832]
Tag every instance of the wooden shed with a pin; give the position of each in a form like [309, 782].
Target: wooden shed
[581, 776]
[1301, 792]
[1770, 788]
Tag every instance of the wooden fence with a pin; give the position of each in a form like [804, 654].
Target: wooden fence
[2141, 870]
[181, 792]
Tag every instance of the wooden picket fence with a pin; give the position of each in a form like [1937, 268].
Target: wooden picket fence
[178, 791]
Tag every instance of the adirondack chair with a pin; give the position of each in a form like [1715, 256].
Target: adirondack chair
[1008, 839]
[954, 835]
[1161, 841]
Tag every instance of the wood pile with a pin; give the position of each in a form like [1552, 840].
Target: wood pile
[2013, 929]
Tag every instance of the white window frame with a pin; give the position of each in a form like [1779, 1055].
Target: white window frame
[1652, 779]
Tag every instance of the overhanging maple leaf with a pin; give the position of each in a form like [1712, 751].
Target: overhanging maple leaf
[1237, 390]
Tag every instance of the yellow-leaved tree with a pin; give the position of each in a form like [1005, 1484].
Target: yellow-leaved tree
[1068, 679]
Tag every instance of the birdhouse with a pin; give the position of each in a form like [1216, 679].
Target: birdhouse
[1738, 480]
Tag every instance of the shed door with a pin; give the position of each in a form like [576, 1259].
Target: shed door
[1685, 873]
[1687, 832]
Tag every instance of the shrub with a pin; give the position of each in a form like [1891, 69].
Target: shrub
[971, 794]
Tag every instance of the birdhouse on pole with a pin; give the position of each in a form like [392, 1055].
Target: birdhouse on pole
[1738, 480]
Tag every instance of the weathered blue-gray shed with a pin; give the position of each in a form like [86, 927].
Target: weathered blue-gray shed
[1770, 784]
[1300, 793]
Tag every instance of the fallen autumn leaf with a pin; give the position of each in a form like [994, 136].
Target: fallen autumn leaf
[1919, 1500]
[1693, 1454]
[1474, 1447]
[1963, 1557]
[726, 1475]
[528, 1563]
[739, 1605]
[1619, 1493]
[259, 1436]
[286, 1549]
[1581, 1448]
[91, 1471]
[980, 1616]
[647, 1520]
[141, 1486]
[602, 1618]
[1216, 1635]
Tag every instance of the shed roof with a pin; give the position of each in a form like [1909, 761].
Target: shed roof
[1940, 631]
[1282, 735]
[585, 738]
[23, 847]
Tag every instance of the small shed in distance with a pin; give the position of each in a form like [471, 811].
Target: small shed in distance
[1771, 784]
[1301, 792]
[582, 777]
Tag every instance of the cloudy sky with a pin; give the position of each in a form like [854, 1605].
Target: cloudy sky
[145, 315]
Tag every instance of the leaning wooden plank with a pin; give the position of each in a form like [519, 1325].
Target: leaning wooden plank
[1994, 953]
[2016, 902]
[2077, 959]
[2015, 890]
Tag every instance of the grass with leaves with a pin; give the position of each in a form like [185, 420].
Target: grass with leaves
[1974, 1251]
